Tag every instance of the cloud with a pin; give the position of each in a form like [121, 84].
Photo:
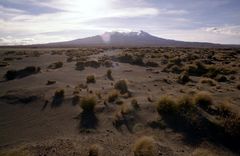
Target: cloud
[226, 30]
[198, 35]
[41, 21]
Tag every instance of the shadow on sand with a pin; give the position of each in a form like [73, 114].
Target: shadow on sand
[57, 101]
[87, 121]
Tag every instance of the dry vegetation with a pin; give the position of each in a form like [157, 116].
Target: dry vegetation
[184, 98]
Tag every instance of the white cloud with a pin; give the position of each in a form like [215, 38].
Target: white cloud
[198, 35]
[226, 30]
[20, 27]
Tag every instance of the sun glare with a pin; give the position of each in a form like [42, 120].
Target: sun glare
[88, 7]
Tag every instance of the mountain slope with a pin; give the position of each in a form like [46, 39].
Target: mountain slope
[130, 39]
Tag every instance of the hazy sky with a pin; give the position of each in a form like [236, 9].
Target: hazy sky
[41, 21]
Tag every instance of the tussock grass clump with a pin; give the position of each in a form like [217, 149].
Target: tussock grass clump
[59, 93]
[208, 81]
[113, 96]
[144, 146]
[183, 110]
[95, 150]
[58, 98]
[135, 104]
[56, 65]
[109, 74]
[203, 99]
[121, 85]
[91, 79]
[50, 82]
[185, 104]
[183, 78]
[166, 105]
[124, 116]
[88, 103]
[127, 109]
[197, 69]
[92, 63]
[224, 109]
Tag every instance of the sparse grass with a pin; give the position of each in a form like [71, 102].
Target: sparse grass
[16, 152]
[94, 150]
[202, 152]
[203, 99]
[144, 146]
[208, 81]
[121, 85]
[91, 79]
[88, 103]
[112, 96]
[231, 125]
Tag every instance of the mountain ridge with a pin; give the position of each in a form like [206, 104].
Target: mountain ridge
[131, 39]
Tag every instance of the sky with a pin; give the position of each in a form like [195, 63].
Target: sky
[44, 21]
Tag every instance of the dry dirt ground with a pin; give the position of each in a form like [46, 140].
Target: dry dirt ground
[31, 123]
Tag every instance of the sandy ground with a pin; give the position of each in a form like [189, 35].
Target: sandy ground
[39, 128]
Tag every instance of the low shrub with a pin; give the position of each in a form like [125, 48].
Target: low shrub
[91, 79]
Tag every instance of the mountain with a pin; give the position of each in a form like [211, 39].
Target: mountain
[129, 39]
